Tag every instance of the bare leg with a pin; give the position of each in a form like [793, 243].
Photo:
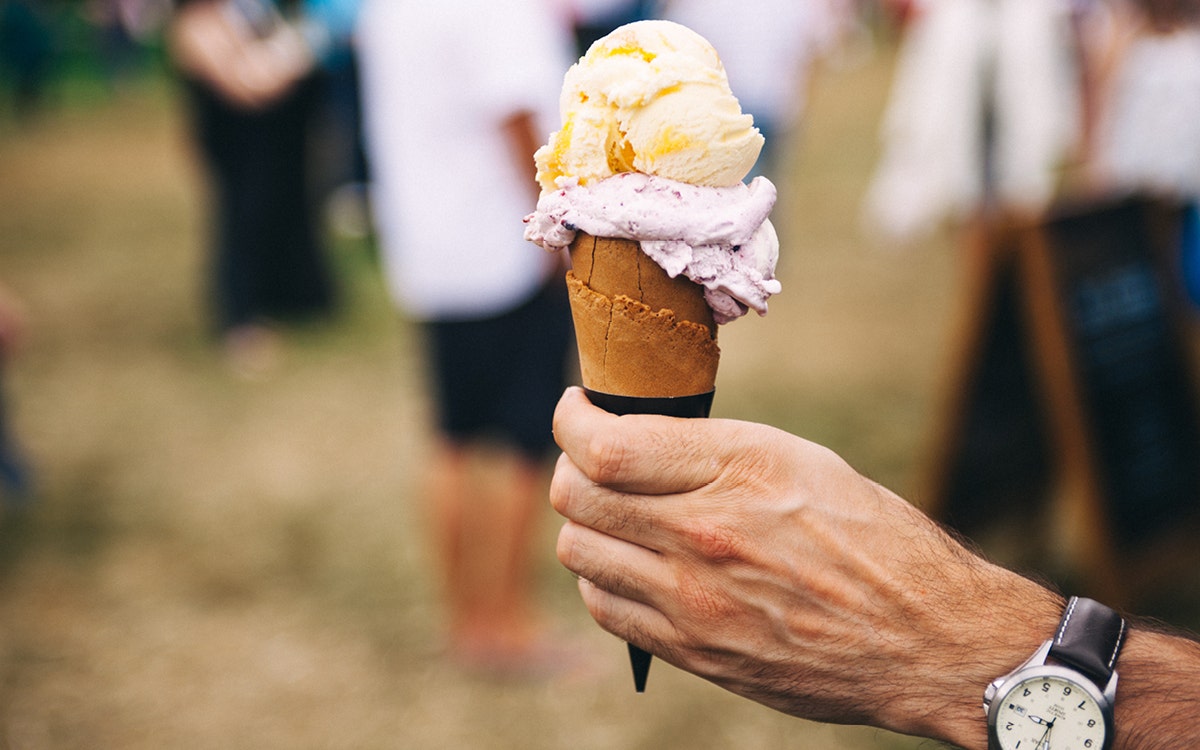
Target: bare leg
[484, 513]
[510, 544]
[448, 492]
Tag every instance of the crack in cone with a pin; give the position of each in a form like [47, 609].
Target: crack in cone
[640, 332]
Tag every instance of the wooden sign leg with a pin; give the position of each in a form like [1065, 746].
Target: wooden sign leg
[1082, 524]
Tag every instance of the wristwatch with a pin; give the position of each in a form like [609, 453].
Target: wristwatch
[1062, 697]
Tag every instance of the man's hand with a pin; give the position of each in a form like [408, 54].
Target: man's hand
[764, 563]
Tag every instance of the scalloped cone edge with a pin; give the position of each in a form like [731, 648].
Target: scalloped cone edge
[640, 332]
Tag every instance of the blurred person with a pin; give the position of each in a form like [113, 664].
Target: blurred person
[122, 27]
[1145, 78]
[768, 566]
[768, 48]
[252, 84]
[1146, 55]
[457, 96]
[898, 13]
[15, 478]
[983, 113]
[343, 167]
[26, 52]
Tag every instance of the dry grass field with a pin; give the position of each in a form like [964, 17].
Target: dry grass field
[215, 563]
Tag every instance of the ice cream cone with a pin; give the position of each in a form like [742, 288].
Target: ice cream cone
[647, 342]
[640, 332]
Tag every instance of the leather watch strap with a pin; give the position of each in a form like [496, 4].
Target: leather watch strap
[1089, 638]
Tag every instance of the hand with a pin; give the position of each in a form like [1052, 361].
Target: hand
[764, 563]
[249, 72]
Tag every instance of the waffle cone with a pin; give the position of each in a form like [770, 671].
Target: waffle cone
[640, 332]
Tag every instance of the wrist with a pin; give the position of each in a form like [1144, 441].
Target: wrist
[1002, 622]
[1158, 691]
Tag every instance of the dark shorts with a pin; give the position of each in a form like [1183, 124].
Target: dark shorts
[501, 377]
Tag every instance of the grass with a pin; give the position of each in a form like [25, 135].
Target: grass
[212, 563]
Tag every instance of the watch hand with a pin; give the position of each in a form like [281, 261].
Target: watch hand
[1044, 742]
[1037, 719]
[1046, 737]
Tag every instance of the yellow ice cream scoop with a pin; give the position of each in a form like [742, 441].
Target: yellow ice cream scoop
[650, 97]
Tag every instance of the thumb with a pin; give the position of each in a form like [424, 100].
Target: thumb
[639, 453]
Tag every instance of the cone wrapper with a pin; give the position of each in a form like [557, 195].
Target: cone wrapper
[640, 332]
[679, 406]
[647, 343]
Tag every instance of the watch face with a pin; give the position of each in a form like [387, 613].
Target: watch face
[1049, 711]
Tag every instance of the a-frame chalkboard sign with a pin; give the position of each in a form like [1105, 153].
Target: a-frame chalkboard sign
[1073, 385]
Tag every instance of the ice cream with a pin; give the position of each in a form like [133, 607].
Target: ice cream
[643, 183]
[651, 97]
[652, 152]
[719, 237]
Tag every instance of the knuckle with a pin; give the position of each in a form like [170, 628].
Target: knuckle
[564, 548]
[560, 488]
[624, 519]
[606, 459]
[714, 541]
[598, 603]
[602, 606]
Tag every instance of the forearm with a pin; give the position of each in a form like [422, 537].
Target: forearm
[1158, 692]
[521, 135]
[980, 622]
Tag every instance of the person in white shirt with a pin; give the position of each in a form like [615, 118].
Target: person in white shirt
[456, 97]
[768, 48]
[983, 114]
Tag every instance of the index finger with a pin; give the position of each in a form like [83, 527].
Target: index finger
[638, 453]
